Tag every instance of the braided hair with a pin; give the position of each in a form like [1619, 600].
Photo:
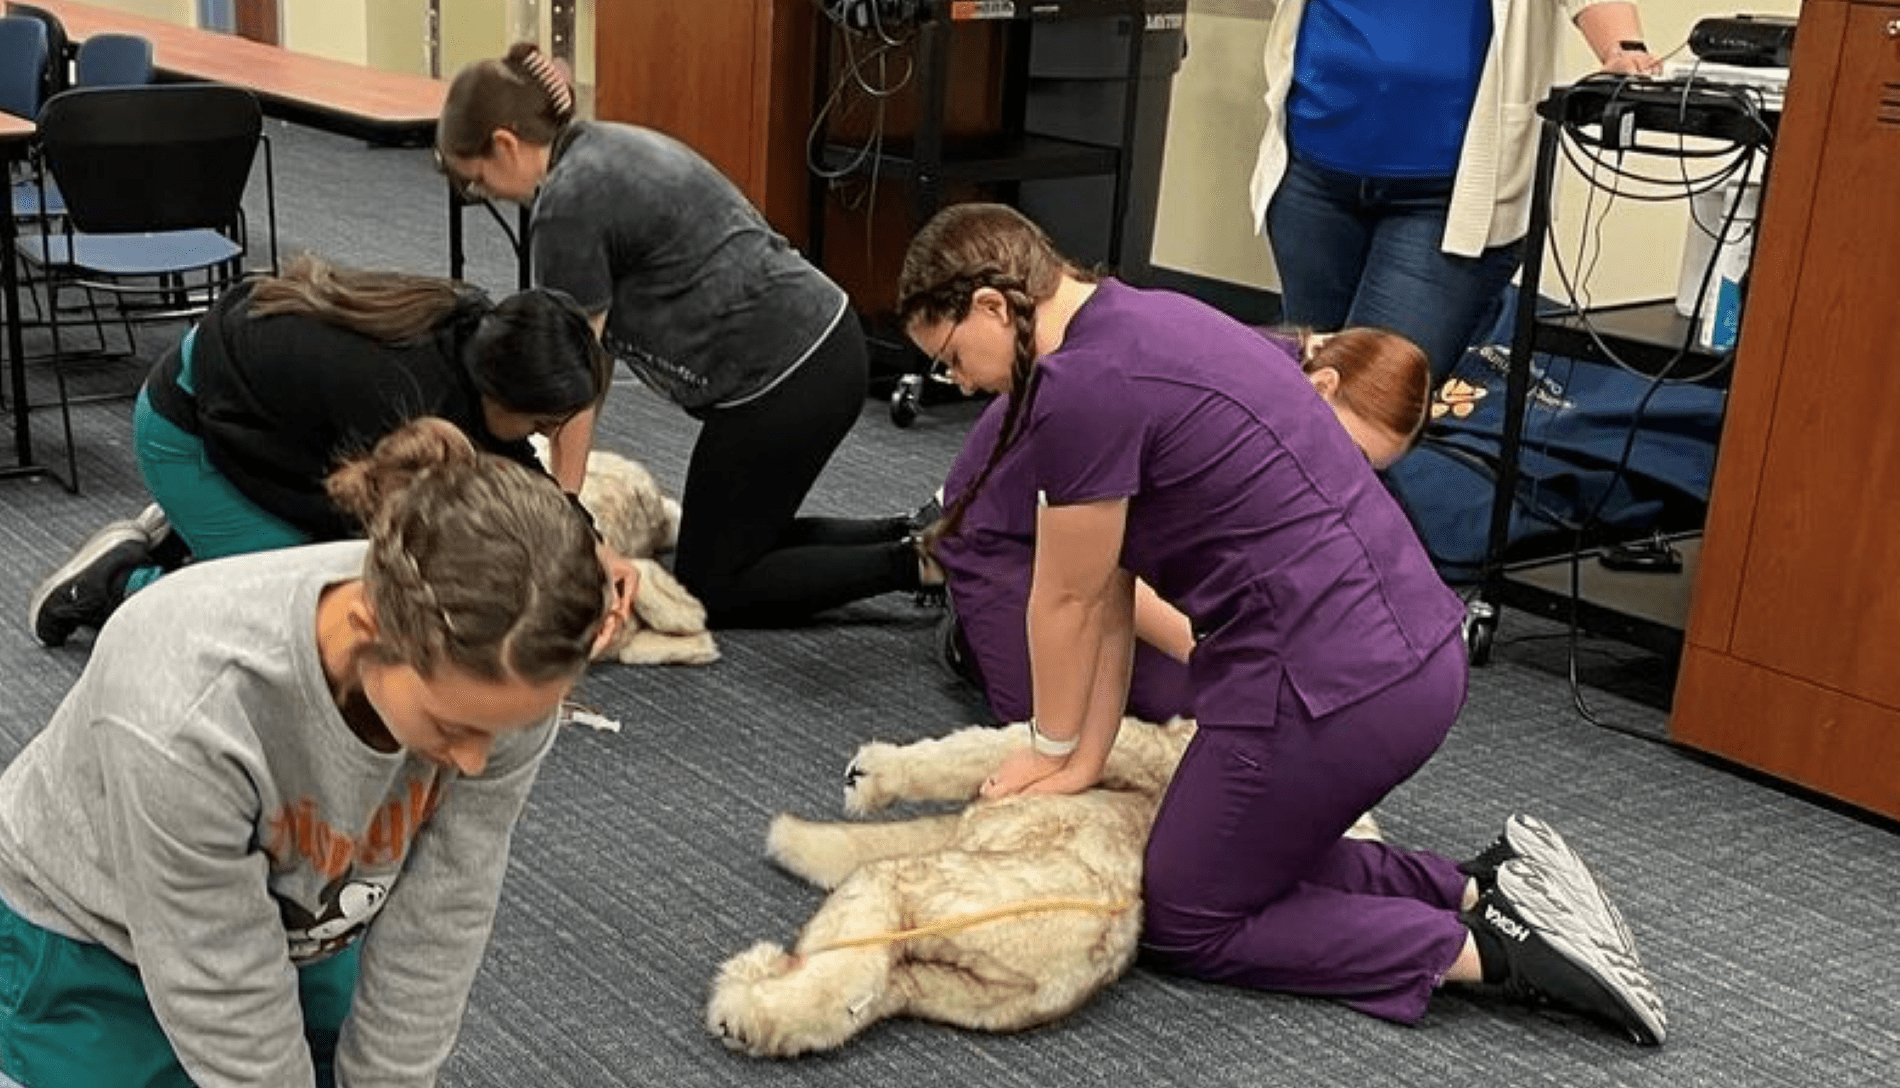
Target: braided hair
[474, 560]
[963, 249]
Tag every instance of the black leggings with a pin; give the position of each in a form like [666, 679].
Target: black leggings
[743, 551]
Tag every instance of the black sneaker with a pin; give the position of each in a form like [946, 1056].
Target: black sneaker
[932, 590]
[1529, 837]
[926, 515]
[1557, 955]
[953, 650]
[89, 585]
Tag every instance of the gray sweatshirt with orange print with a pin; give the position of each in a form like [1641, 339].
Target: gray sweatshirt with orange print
[199, 807]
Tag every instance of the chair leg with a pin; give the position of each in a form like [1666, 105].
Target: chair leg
[59, 383]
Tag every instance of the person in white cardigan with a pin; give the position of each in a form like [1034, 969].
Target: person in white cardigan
[1394, 177]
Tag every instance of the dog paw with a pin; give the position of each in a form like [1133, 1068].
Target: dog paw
[758, 963]
[739, 1013]
[870, 780]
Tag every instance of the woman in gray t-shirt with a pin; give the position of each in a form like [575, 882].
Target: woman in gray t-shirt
[687, 283]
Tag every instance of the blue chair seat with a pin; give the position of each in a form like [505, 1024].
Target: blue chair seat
[163, 253]
[27, 198]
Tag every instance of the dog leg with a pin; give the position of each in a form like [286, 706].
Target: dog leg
[770, 1004]
[663, 604]
[973, 992]
[950, 768]
[1009, 973]
[652, 647]
[826, 853]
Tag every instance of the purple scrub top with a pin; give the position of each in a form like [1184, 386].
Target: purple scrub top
[1248, 506]
[990, 561]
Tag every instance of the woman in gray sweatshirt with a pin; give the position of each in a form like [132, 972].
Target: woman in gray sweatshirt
[262, 839]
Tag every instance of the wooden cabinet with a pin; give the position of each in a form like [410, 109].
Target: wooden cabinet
[732, 78]
[1792, 662]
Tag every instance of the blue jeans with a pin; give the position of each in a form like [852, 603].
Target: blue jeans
[1365, 251]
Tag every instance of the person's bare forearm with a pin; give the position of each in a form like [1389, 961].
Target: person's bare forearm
[1108, 695]
[1065, 639]
[1161, 625]
[568, 449]
[1081, 655]
[1614, 30]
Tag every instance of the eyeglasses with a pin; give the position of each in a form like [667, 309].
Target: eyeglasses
[467, 189]
[939, 370]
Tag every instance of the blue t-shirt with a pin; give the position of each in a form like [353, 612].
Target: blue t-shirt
[1383, 88]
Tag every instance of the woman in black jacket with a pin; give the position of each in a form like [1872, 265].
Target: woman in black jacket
[239, 424]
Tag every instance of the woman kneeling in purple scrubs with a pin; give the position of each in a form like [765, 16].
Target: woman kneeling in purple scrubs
[1166, 442]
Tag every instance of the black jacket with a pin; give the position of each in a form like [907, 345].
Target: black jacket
[280, 401]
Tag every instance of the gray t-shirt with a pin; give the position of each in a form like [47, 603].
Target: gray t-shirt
[704, 301]
[199, 807]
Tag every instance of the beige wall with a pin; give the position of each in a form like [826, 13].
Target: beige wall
[393, 34]
[1203, 227]
[338, 29]
[396, 36]
[183, 12]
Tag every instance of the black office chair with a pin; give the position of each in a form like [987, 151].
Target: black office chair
[154, 180]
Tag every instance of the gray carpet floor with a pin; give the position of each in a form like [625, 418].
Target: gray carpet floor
[1768, 920]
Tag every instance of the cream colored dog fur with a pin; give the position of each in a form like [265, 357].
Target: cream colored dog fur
[1004, 916]
[640, 521]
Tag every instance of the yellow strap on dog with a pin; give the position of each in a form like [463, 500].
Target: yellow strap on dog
[968, 921]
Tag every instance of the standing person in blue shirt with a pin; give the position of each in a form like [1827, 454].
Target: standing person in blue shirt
[686, 282]
[1393, 181]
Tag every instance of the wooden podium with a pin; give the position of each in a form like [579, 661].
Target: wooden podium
[1792, 662]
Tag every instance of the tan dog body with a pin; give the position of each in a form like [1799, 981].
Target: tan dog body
[1052, 884]
[639, 521]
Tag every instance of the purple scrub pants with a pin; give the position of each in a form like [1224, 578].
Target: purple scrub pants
[1249, 881]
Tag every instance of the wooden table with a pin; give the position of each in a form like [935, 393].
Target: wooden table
[333, 95]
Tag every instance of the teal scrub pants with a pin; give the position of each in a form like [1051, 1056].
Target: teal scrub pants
[72, 1013]
[212, 516]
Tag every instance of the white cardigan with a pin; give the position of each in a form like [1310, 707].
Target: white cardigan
[1491, 198]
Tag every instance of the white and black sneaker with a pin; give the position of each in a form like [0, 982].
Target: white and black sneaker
[168, 550]
[1529, 837]
[89, 585]
[1557, 952]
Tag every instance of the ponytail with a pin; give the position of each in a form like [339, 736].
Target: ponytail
[389, 307]
[523, 91]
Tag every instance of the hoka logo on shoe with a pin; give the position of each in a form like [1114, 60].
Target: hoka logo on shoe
[1506, 924]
